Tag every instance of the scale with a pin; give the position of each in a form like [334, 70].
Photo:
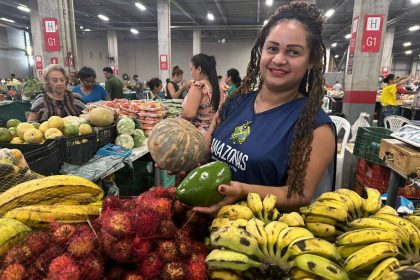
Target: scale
[409, 134]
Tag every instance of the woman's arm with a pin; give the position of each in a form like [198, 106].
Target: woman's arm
[191, 103]
[33, 117]
[403, 80]
[175, 94]
[323, 149]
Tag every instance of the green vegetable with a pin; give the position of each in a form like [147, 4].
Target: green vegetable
[200, 186]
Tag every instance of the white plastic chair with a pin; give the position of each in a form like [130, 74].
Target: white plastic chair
[326, 104]
[341, 124]
[394, 122]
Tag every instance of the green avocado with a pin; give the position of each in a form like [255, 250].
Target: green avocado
[200, 186]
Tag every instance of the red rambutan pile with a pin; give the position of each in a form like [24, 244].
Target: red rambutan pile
[62, 233]
[91, 268]
[117, 223]
[159, 192]
[148, 223]
[166, 229]
[63, 268]
[111, 202]
[19, 254]
[133, 276]
[121, 251]
[141, 247]
[168, 251]
[38, 242]
[150, 267]
[14, 271]
[81, 245]
[174, 271]
[196, 270]
[185, 249]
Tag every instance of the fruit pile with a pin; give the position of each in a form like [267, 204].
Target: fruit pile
[128, 136]
[341, 235]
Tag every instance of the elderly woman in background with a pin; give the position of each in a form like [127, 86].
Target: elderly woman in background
[57, 101]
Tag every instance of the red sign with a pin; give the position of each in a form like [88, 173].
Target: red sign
[352, 45]
[163, 62]
[54, 60]
[38, 62]
[384, 71]
[115, 69]
[372, 33]
[39, 74]
[51, 38]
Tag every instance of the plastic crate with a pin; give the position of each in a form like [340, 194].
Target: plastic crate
[46, 160]
[27, 148]
[79, 149]
[409, 192]
[132, 182]
[373, 170]
[106, 135]
[368, 142]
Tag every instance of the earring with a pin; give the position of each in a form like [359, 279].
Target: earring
[307, 80]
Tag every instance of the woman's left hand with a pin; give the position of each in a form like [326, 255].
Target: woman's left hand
[232, 193]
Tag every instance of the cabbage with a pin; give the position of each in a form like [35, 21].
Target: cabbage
[138, 137]
[125, 141]
[74, 120]
[126, 126]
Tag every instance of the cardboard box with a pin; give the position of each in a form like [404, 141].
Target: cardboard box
[400, 156]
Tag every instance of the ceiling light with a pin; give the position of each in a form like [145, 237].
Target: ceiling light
[210, 16]
[269, 2]
[329, 13]
[336, 56]
[409, 52]
[415, 2]
[347, 36]
[87, 29]
[134, 31]
[23, 8]
[140, 6]
[6, 19]
[81, 27]
[407, 44]
[104, 18]
[265, 21]
[333, 45]
[414, 28]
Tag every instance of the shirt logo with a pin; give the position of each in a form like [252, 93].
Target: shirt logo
[240, 133]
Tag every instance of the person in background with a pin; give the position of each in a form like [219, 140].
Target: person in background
[138, 86]
[88, 89]
[337, 86]
[73, 80]
[233, 80]
[220, 78]
[155, 86]
[204, 96]
[175, 87]
[57, 101]
[13, 79]
[113, 85]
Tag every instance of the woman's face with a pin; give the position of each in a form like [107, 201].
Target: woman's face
[195, 72]
[177, 78]
[228, 80]
[158, 89]
[56, 82]
[285, 56]
[88, 82]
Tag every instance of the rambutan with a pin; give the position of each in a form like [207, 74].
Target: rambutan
[159, 192]
[196, 270]
[141, 247]
[199, 257]
[14, 271]
[63, 233]
[174, 271]
[116, 272]
[150, 266]
[91, 268]
[172, 191]
[133, 276]
[148, 223]
[111, 202]
[200, 248]
[161, 205]
[179, 208]
[185, 250]
[168, 250]
[18, 254]
[166, 229]
[128, 204]
[121, 251]
[38, 242]
[182, 235]
[63, 268]
[81, 245]
[117, 222]
[43, 261]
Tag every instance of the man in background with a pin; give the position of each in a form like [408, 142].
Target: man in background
[337, 86]
[113, 85]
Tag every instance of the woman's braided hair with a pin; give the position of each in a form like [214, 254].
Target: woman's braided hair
[311, 18]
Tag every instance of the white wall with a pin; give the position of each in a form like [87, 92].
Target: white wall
[93, 53]
[12, 60]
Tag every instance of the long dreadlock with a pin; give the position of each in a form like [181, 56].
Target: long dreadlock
[300, 150]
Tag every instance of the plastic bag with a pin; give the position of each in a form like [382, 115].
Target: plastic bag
[362, 121]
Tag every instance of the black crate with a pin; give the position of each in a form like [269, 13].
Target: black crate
[132, 182]
[106, 135]
[46, 160]
[79, 149]
[27, 148]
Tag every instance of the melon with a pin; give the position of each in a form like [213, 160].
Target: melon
[138, 137]
[176, 144]
[125, 141]
[126, 126]
[101, 116]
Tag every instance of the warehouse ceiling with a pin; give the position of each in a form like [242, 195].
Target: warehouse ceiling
[234, 20]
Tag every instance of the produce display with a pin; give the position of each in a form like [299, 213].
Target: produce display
[128, 136]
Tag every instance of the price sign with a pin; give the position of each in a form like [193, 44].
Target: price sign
[163, 62]
[51, 38]
[372, 33]
[54, 60]
[38, 62]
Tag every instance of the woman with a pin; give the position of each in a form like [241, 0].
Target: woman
[204, 96]
[173, 90]
[155, 86]
[57, 101]
[272, 130]
[233, 80]
[88, 90]
[389, 96]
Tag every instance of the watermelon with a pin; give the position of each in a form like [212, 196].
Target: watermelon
[125, 141]
[138, 137]
[126, 126]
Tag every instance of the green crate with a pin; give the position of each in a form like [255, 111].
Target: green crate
[132, 182]
[368, 143]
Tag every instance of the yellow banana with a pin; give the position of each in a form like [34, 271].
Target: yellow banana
[347, 251]
[234, 212]
[373, 201]
[387, 210]
[223, 275]
[273, 230]
[321, 230]
[293, 219]
[320, 266]
[403, 273]
[415, 220]
[218, 223]
[332, 203]
[384, 267]
[355, 198]
[326, 211]
[256, 228]
[269, 202]
[288, 235]
[296, 273]
[319, 219]
[338, 197]
[369, 255]
[226, 259]
[255, 204]
[78, 199]
[312, 245]
[411, 229]
[367, 236]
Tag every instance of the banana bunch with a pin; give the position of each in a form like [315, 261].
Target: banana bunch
[414, 219]
[403, 273]
[265, 210]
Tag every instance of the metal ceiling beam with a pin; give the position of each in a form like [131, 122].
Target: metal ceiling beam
[179, 7]
[222, 13]
[258, 10]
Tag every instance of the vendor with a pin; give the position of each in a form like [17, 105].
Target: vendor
[88, 89]
[175, 86]
[233, 80]
[155, 86]
[57, 101]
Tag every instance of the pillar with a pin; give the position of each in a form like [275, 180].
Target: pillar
[386, 60]
[196, 41]
[53, 34]
[364, 57]
[164, 38]
[413, 71]
[113, 51]
[327, 59]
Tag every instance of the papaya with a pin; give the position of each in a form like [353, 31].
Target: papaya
[200, 186]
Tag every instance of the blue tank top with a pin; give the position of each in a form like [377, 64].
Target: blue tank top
[98, 93]
[260, 157]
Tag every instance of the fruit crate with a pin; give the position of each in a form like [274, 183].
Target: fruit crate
[26, 148]
[134, 181]
[368, 142]
[409, 192]
[46, 160]
[79, 149]
[373, 175]
[106, 135]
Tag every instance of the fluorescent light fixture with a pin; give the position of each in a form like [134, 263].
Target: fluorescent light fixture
[6, 19]
[31, 60]
[329, 13]
[269, 2]
[336, 56]
[333, 45]
[415, 2]
[134, 31]
[414, 28]
[407, 44]
[103, 17]
[140, 6]
[347, 36]
[409, 52]
[265, 21]
[87, 30]
[81, 27]
[23, 8]
[210, 16]
[29, 50]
